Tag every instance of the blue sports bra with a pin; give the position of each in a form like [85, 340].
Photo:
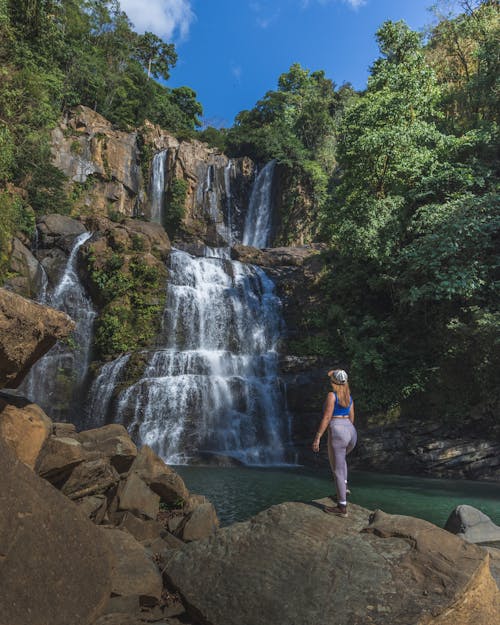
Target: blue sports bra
[341, 411]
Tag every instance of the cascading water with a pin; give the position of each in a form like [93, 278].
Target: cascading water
[258, 220]
[55, 382]
[157, 186]
[102, 391]
[213, 387]
[229, 202]
[212, 384]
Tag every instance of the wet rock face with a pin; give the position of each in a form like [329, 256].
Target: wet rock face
[217, 192]
[27, 331]
[294, 564]
[56, 237]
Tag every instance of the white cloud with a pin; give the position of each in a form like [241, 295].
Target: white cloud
[236, 71]
[265, 15]
[166, 18]
[354, 4]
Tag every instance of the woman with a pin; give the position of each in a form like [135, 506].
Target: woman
[338, 415]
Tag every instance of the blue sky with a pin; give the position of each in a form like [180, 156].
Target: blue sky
[232, 51]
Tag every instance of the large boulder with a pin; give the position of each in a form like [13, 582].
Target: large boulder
[112, 441]
[293, 564]
[133, 573]
[472, 525]
[89, 478]
[58, 458]
[54, 563]
[200, 523]
[27, 331]
[59, 230]
[28, 275]
[159, 477]
[24, 427]
[136, 496]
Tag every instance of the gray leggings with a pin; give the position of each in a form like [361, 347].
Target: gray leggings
[342, 438]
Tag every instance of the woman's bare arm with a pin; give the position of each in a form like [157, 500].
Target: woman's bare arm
[327, 416]
[351, 413]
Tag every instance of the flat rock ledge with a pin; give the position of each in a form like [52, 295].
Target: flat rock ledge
[294, 564]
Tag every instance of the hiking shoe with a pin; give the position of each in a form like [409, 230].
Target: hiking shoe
[339, 510]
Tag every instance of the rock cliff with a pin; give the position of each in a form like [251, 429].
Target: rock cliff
[110, 173]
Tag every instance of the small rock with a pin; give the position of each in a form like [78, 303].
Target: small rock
[54, 226]
[472, 525]
[64, 430]
[93, 507]
[136, 496]
[174, 522]
[27, 272]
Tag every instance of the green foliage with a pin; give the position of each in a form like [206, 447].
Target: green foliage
[414, 220]
[215, 137]
[132, 297]
[175, 204]
[155, 55]
[58, 54]
[15, 216]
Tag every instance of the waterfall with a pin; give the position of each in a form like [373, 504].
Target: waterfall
[213, 386]
[157, 186]
[211, 193]
[258, 220]
[56, 380]
[210, 385]
[102, 391]
[229, 202]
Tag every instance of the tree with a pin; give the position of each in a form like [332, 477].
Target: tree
[185, 99]
[155, 55]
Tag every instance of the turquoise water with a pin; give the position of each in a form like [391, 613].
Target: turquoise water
[239, 493]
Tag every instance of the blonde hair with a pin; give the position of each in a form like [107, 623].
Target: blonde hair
[342, 390]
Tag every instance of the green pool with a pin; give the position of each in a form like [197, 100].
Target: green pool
[239, 493]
